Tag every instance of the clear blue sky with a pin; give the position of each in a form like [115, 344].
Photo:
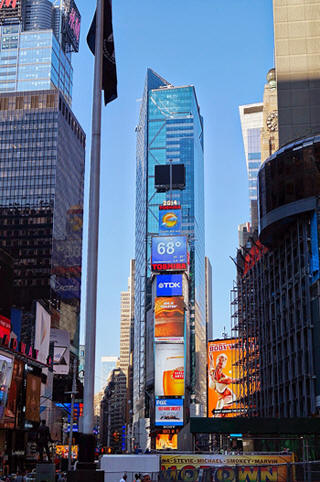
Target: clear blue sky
[224, 48]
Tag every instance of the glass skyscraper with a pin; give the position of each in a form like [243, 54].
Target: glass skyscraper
[42, 155]
[170, 129]
[34, 52]
[251, 117]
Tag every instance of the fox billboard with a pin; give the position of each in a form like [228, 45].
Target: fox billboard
[169, 412]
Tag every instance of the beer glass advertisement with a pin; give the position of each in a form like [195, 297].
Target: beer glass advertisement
[33, 398]
[169, 319]
[169, 412]
[6, 368]
[223, 378]
[166, 441]
[169, 370]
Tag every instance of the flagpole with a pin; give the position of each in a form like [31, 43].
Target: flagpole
[93, 230]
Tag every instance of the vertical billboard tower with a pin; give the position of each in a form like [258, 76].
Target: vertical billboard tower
[169, 135]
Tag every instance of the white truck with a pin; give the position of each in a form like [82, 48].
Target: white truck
[115, 466]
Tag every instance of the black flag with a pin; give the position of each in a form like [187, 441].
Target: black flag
[109, 71]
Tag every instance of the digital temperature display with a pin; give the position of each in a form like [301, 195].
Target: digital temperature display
[169, 250]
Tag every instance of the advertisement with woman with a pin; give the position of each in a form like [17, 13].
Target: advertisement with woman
[223, 378]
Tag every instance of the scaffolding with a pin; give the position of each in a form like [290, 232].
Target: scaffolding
[273, 318]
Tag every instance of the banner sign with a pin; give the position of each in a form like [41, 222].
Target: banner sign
[223, 378]
[169, 412]
[73, 22]
[33, 398]
[169, 285]
[5, 326]
[264, 468]
[169, 319]
[61, 351]
[169, 220]
[169, 370]
[42, 336]
[169, 253]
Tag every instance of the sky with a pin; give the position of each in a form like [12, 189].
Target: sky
[223, 48]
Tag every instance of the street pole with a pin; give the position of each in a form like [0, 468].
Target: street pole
[73, 396]
[93, 230]
[108, 424]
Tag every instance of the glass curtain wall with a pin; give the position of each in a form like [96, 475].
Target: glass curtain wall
[170, 129]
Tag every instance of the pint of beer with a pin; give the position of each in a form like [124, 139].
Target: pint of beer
[169, 317]
[173, 376]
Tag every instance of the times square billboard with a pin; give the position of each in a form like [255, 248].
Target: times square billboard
[169, 253]
[169, 220]
[169, 412]
[169, 318]
[224, 378]
[169, 369]
[169, 285]
[10, 9]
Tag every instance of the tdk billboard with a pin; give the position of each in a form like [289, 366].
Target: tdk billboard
[169, 285]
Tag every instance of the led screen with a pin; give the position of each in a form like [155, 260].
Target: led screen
[169, 220]
[169, 285]
[169, 412]
[169, 370]
[169, 318]
[169, 253]
[223, 378]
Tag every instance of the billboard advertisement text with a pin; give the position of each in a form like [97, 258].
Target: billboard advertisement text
[169, 318]
[223, 378]
[169, 221]
[169, 370]
[169, 412]
[10, 9]
[265, 468]
[169, 285]
[169, 253]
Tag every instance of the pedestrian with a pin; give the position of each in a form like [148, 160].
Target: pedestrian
[20, 477]
[137, 478]
[124, 478]
[43, 438]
